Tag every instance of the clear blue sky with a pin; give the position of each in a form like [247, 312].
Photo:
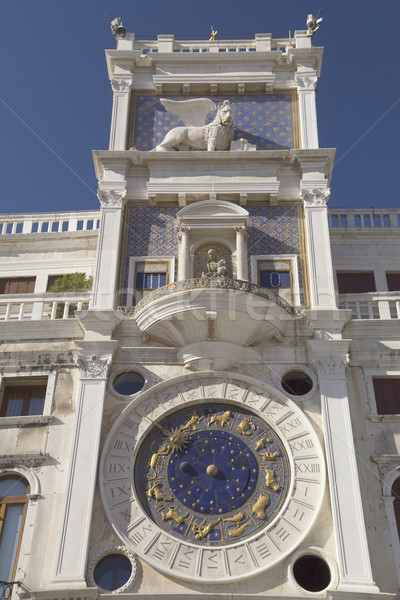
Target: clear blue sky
[55, 101]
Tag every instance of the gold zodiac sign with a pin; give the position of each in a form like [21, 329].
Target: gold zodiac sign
[201, 530]
[237, 531]
[235, 519]
[212, 34]
[246, 427]
[191, 423]
[173, 514]
[259, 507]
[269, 455]
[154, 462]
[155, 492]
[262, 443]
[220, 419]
[270, 481]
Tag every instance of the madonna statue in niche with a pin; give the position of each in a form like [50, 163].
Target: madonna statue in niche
[214, 261]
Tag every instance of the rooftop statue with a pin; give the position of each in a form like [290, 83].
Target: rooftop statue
[196, 135]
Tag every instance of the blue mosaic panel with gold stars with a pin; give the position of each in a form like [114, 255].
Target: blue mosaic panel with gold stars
[212, 474]
[275, 230]
[150, 232]
[269, 120]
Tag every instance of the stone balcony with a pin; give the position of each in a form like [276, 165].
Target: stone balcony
[212, 320]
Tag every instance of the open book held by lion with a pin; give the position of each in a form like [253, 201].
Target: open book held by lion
[195, 134]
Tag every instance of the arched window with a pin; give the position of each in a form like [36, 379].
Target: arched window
[396, 502]
[13, 503]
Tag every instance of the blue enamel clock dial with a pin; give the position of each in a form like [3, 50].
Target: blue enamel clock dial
[236, 472]
[212, 474]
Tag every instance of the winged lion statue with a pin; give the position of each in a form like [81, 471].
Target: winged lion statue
[195, 134]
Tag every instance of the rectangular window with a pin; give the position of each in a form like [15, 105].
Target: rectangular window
[275, 279]
[387, 395]
[359, 282]
[150, 281]
[393, 282]
[17, 285]
[23, 401]
[147, 273]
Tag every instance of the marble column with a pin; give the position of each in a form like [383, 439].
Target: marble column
[94, 359]
[120, 112]
[107, 261]
[184, 258]
[322, 289]
[330, 359]
[241, 254]
[306, 85]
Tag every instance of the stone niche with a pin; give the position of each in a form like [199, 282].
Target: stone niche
[221, 256]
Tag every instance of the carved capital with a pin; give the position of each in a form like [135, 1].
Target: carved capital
[121, 85]
[112, 198]
[273, 199]
[331, 366]
[94, 366]
[182, 200]
[306, 81]
[315, 196]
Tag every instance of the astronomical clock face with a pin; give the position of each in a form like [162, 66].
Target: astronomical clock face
[212, 478]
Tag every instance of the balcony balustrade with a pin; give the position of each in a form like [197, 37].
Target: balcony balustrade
[364, 218]
[37, 307]
[167, 43]
[372, 305]
[40, 223]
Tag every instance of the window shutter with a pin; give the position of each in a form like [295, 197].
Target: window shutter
[356, 283]
[387, 395]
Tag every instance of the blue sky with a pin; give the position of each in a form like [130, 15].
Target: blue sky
[55, 99]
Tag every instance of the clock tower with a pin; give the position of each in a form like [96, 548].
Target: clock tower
[219, 457]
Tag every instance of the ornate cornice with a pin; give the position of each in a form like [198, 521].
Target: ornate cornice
[112, 198]
[315, 196]
[26, 460]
